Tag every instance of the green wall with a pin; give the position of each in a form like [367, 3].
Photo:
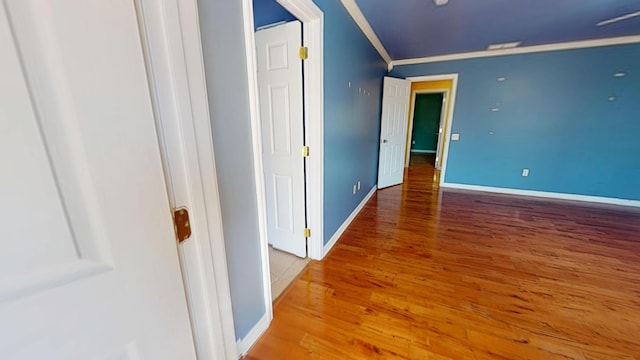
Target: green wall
[426, 122]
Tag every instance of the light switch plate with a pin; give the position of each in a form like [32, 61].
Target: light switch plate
[455, 137]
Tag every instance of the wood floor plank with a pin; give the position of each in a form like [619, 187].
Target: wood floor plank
[424, 273]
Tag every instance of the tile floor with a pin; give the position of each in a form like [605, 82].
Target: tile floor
[284, 267]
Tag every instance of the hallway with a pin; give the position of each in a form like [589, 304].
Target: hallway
[428, 274]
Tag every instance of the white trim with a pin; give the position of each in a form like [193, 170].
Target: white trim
[348, 221]
[173, 53]
[353, 10]
[194, 61]
[256, 137]
[312, 20]
[545, 194]
[416, 151]
[452, 99]
[437, 77]
[253, 335]
[522, 50]
[412, 107]
[303, 10]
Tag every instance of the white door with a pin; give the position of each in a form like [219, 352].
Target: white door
[393, 131]
[88, 266]
[280, 92]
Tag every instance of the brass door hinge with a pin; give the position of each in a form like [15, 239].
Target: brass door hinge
[305, 151]
[181, 224]
[304, 53]
[307, 232]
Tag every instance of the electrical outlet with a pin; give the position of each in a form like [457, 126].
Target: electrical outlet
[525, 172]
[354, 189]
[358, 184]
[455, 137]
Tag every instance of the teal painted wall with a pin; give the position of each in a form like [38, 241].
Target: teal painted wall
[426, 121]
[562, 114]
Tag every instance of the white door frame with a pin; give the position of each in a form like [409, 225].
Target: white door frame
[175, 67]
[312, 20]
[449, 120]
[443, 108]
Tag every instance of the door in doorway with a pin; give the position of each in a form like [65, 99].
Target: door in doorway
[393, 131]
[281, 114]
[426, 123]
[89, 266]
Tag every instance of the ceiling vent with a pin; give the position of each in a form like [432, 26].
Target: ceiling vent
[501, 46]
[441, 2]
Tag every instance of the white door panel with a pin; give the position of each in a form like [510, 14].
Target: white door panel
[393, 131]
[280, 92]
[88, 267]
[282, 191]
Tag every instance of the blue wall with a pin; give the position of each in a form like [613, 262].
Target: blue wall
[351, 135]
[266, 12]
[555, 118]
[222, 32]
[351, 114]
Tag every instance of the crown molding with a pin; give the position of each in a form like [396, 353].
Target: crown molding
[353, 10]
[521, 50]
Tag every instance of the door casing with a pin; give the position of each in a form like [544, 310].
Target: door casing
[175, 68]
[448, 119]
[412, 110]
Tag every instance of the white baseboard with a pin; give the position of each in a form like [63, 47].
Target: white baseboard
[414, 151]
[348, 221]
[254, 334]
[545, 194]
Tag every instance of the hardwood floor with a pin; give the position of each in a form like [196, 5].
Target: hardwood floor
[428, 274]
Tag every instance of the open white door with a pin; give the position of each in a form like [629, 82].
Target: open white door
[88, 267]
[443, 114]
[393, 131]
[280, 93]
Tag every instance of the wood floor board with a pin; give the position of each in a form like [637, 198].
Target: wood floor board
[423, 273]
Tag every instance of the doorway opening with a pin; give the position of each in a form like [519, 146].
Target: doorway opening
[431, 107]
[289, 122]
[281, 108]
[428, 108]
